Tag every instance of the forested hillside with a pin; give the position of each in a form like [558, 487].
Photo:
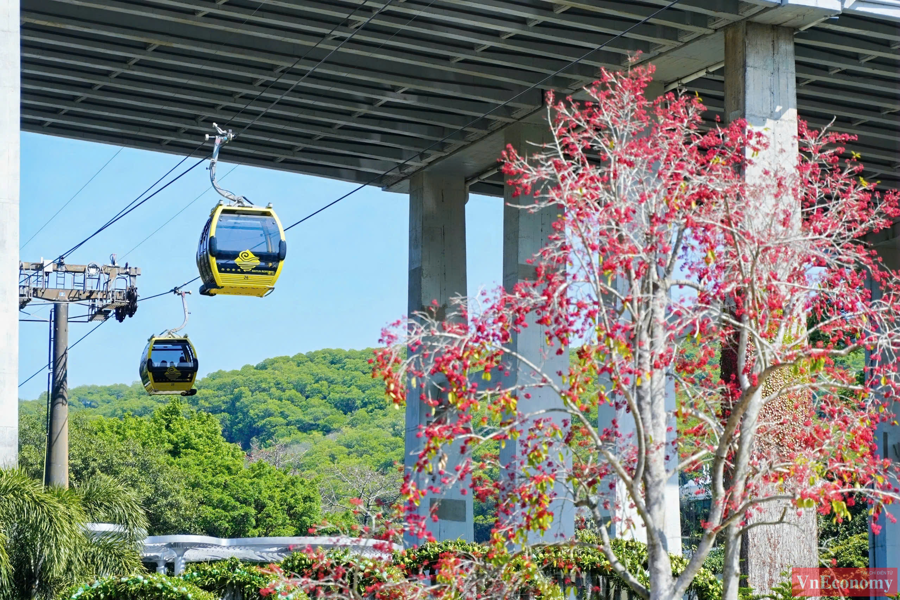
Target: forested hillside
[252, 444]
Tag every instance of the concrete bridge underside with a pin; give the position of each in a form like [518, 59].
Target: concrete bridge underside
[153, 74]
[420, 96]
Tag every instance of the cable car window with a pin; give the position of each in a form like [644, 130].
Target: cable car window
[166, 354]
[238, 232]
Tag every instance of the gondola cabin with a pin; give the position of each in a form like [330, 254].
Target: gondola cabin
[241, 251]
[169, 366]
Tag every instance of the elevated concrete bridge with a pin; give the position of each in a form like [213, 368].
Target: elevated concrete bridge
[153, 73]
[420, 96]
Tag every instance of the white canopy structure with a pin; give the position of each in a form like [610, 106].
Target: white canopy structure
[183, 549]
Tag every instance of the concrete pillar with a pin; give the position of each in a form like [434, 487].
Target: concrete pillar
[9, 232]
[180, 564]
[760, 86]
[161, 565]
[625, 422]
[524, 234]
[437, 271]
[884, 548]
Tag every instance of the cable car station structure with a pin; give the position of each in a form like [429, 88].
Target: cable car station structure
[419, 97]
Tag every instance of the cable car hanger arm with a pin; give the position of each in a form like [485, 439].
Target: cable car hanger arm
[221, 138]
[172, 332]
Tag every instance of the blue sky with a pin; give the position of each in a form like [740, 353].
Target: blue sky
[345, 276]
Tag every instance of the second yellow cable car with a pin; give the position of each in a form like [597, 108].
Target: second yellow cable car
[169, 362]
[242, 248]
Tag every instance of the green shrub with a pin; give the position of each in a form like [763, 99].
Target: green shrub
[153, 586]
[561, 562]
[365, 572]
[225, 576]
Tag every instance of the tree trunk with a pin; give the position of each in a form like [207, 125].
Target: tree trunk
[768, 551]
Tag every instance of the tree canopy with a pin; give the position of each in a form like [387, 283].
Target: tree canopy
[248, 455]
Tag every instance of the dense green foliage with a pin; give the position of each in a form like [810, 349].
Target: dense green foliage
[189, 478]
[225, 577]
[256, 448]
[319, 401]
[845, 544]
[315, 420]
[45, 546]
[140, 587]
[324, 405]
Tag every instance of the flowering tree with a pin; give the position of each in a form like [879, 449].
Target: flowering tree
[668, 263]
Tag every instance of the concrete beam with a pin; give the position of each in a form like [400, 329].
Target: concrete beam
[437, 272]
[403, 28]
[174, 85]
[182, 146]
[180, 22]
[9, 232]
[148, 129]
[41, 44]
[34, 106]
[184, 37]
[454, 36]
[797, 14]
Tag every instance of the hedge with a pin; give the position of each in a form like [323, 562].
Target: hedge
[150, 586]
[560, 562]
[209, 581]
[224, 576]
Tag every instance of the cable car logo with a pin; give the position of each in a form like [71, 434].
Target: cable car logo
[246, 260]
[172, 372]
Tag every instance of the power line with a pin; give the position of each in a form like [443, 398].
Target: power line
[75, 195]
[400, 165]
[488, 113]
[120, 215]
[445, 138]
[137, 202]
[134, 204]
[124, 212]
[39, 371]
[206, 191]
[129, 208]
[298, 82]
[174, 289]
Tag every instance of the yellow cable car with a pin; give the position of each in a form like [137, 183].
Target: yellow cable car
[241, 251]
[169, 362]
[242, 248]
[169, 366]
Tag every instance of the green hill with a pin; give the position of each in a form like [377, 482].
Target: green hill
[326, 397]
[253, 443]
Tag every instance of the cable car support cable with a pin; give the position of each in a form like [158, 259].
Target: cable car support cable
[47, 366]
[488, 113]
[380, 176]
[75, 195]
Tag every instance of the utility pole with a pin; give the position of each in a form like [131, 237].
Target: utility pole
[56, 468]
[108, 290]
